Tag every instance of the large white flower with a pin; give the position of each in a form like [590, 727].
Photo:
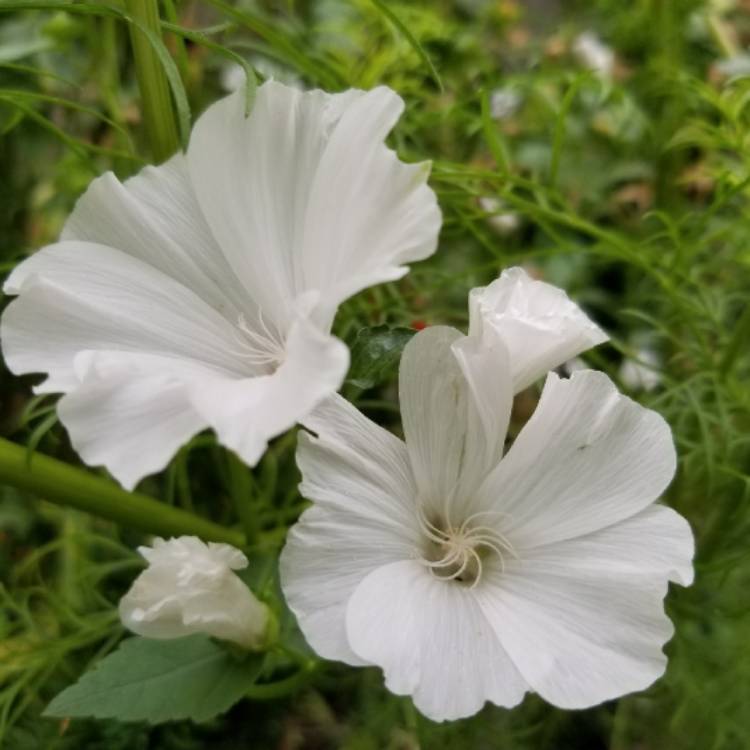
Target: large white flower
[191, 587]
[200, 293]
[469, 576]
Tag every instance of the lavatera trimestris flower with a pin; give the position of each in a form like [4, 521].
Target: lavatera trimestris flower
[200, 293]
[471, 576]
[191, 587]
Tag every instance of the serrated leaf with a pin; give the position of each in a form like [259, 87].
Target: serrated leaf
[157, 681]
[376, 353]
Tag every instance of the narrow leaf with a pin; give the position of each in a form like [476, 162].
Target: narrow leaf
[403, 28]
[251, 81]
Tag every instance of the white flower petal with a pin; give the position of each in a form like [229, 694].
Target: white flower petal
[326, 556]
[247, 413]
[345, 435]
[79, 296]
[154, 216]
[432, 641]
[229, 612]
[433, 396]
[303, 195]
[455, 404]
[540, 325]
[230, 556]
[391, 215]
[127, 417]
[485, 365]
[140, 614]
[359, 477]
[583, 619]
[179, 549]
[587, 458]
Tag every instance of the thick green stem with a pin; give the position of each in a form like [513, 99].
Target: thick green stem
[156, 105]
[66, 485]
[282, 688]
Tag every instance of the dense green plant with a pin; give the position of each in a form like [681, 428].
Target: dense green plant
[631, 191]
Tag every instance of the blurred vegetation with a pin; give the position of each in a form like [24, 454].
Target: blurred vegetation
[628, 185]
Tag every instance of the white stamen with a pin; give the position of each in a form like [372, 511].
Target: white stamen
[431, 531]
[260, 347]
[457, 556]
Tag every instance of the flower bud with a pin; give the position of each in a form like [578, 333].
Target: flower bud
[190, 587]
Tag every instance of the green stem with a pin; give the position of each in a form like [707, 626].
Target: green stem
[108, 69]
[70, 558]
[493, 136]
[561, 127]
[243, 494]
[284, 687]
[722, 35]
[66, 485]
[181, 55]
[156, 105]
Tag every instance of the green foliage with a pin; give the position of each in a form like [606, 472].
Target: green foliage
[631, 190]
[157, 681]
[375, 354]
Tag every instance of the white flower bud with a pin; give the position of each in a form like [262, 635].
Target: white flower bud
[538, 323]
[190, 587]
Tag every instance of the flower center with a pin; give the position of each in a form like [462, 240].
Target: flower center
[459, 552]
[262, 346]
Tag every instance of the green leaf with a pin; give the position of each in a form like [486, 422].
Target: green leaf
[157, 681]
[376, 352]
[251, 80]
[154, 41]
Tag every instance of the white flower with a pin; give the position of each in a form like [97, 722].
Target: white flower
[200, 293]
[190, 587]
[641, 374]
[469, 576]
[504, 103]
[539, 325]
[504, 222]
[593, 54]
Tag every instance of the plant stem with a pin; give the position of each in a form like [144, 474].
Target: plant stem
[243, 494]
[722, 35]
[71, 559]
[282, 688]
[156, 105]
[180, 52]
[66, 485]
